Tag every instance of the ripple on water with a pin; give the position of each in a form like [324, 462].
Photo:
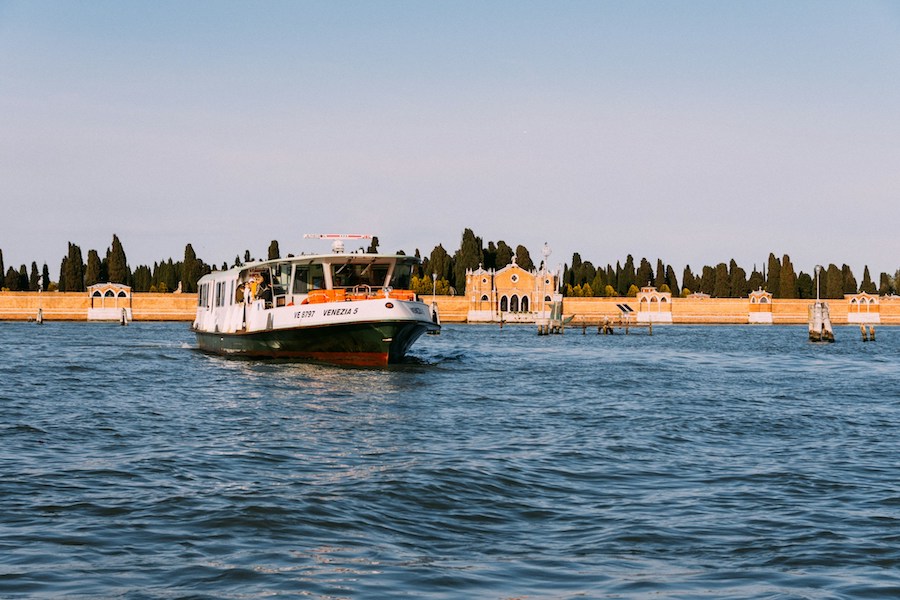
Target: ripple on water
[699, 462]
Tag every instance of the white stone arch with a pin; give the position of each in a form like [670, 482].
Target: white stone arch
[514, 303]
[524, 307]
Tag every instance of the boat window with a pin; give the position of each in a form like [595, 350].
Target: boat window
[400, 280]
[281, 278]
[350, 275]
[308, 277]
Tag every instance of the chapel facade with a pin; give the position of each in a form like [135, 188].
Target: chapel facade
[510, 294]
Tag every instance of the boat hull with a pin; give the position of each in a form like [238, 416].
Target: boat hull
[368, 344]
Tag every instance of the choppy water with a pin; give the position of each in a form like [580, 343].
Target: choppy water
[717, 462]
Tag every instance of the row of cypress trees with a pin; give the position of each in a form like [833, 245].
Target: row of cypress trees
[579, 278]
[582, 278]
[76, 274]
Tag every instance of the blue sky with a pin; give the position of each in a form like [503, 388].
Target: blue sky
[695, 132]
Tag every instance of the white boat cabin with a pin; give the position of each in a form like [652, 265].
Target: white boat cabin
[253, 296]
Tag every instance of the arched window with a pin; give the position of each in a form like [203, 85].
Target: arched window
[110, 294]
[504, 304]
[122, 294]
[524, 303]
[514, 304]
[484, 298]
[763, 300]
[548, 299]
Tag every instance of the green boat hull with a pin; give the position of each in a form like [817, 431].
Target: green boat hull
[360, 344]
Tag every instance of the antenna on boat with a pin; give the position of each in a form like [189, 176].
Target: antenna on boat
[337, 239]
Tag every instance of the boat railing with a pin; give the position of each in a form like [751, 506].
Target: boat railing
[359, 292]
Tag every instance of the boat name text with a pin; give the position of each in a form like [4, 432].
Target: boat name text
[304, 314]
[336, 312]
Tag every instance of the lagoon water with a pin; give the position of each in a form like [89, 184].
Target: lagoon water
[701, 462]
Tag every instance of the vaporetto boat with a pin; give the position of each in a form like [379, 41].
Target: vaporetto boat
[346, 308]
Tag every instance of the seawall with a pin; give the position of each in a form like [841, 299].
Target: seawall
[692, 311]
[71, 306]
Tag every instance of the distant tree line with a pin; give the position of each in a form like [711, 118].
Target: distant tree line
[77, 274]
[582, 278]
[445, 273]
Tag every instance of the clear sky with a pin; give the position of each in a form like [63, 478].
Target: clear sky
[695, 132]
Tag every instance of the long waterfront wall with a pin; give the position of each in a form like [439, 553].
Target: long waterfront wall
[712, 311]
[71, 306]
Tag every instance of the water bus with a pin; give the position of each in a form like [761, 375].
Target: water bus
[347, 308]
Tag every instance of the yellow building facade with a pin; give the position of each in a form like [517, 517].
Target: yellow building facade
[510, 294]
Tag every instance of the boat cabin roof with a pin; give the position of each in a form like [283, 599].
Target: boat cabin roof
[327, 260]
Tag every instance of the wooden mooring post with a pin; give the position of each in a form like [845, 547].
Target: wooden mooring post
[867, 332]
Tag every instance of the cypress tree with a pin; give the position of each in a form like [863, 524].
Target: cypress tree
[274, 252]
[34, 281]
[598, 284]
[644, 275]
[625, 276]
[173, 273]
[490, 256]
[707, 283]
[45, 278]
[192, 269]
[439, 263]
[142, 279]
[117, 263]
[92, 270]
[756, 280]
[849, 286]
[11, 280]
[504, 254]
[660, 279]
[867, 285]
[773, 277]
[247, 257]
[571, 276]
[74, 270]
[523, 259]
[722, 285]
[1, 262]
[61, 286]
[739, 287]
[23, 278]
[806, 287]
[886, 285]
[688, 279]
[586, 273]
[469, 256]
[672, 281]
[787, 280]
[833, 284]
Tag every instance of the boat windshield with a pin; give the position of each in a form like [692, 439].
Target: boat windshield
[400, 278]
[354, 275]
